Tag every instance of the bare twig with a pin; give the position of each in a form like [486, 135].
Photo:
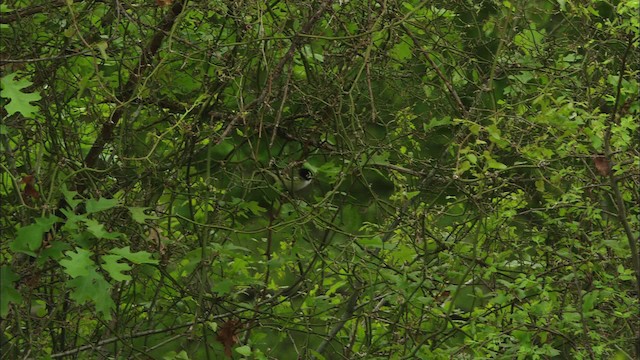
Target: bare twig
[106, 134]
[463, 110]
[20, 13]
[117, 338]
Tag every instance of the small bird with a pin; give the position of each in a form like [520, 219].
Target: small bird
[298, 181]
[294, 179]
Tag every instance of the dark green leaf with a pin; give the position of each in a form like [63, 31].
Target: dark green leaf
[140, 257]
[9, 292]
[101, 204]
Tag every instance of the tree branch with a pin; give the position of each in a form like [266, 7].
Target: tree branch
[20, 13]
[106, 134]
[463, 110]
[613, 181]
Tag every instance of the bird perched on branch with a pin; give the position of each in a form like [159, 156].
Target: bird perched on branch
[293, 179]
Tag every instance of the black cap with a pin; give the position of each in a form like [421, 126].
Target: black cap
[305, 174]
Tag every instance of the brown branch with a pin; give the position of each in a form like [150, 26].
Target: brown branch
[277, 71]
[116, 338]
[106, 134]
[463, 110]
[295, 43]
[24, 12]
[353, 299]
[613, 181]
[352, 302]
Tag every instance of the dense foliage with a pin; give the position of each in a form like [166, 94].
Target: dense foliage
[475, 194]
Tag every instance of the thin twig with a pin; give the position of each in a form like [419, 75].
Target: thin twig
[463, 110]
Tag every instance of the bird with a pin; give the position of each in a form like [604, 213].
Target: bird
[293, 179]
[298, 181]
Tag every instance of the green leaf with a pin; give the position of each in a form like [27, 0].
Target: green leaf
[97, 229]
[171, 355]
[374, 242]
[332, 290]
[102, 299]
[20, 101]
[114, 268]
[309, 53]
[493, 164]
[328, 172]
[102, 47]
[83, 288]
[589, 300]
[9, 292]
[254, 207]
[69, 196]
[411, 194]
[244, 350]
[138, 215]
[316, 354]
[72, 220]
[93, 288]
[381, 158]
[401, 51]
[54, 251]
[140, 257]
[78, 263]
[562, 4]
[101, 204]
[435, 122]
[223, 286]
[29, 238]
[87, 283]
[463, 167]
[523, 77]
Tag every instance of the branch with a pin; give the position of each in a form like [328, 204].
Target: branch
[106, 134]
[346, 315]
[20, 13]
[295, 42]
[117, 338]
[613, 181]
[353, 299]
[463, 110]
